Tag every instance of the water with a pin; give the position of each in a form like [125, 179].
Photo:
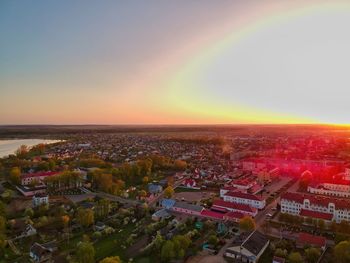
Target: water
[8, 147]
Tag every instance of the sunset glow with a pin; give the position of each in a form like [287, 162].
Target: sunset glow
[232, 62]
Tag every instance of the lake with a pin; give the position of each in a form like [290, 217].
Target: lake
[8, 147]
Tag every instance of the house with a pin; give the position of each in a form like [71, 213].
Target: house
[319, 207]
[42, 252]
[40, 199]
[219, 204]
[21, 229]
[183, 207]
[168, 203]
[99, 226]
[305, 239]
[155, 188]
[245, 198]
[190, 183]
[160, 214]
[250, 249]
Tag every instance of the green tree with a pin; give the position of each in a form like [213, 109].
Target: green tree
[295, 257]
[2, 209]
[85, 252]
[2, 224]
[158, 241]
[312, 254]
[281, 253]
[342, 252]
[29, 212]
[102, 208]
[85, 217]
[169, 192]
[246, 224]
[15, 175]
[168, 251]
[213, 240]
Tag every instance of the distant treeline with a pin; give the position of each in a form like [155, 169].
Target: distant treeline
[28, 131]
[198, 140]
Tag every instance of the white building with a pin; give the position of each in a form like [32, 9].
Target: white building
[341, 189]
[245, 198]
[319, 207]
[40, 199]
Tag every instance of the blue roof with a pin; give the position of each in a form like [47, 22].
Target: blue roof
[168, 203]
[155, 188]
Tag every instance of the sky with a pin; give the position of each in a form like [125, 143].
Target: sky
[174, 62]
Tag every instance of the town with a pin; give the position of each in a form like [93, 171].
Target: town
[215, 194]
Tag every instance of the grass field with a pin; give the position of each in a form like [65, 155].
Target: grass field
[112, 245]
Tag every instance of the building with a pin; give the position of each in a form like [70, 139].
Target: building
[29, 178]
[250, 249]
[183, 207]
[305, 239]
[155, 188]
[42, 252]
[40, 199]
[190, 183]
[160, 214]
[319, 207]
[338, 189]
[28, 191]
[222, 205]
[245, 198]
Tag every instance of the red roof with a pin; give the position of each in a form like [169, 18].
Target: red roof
[230, 188]
[244, 196]
[243, 182]
[39, 174]
[218, 209]
[235, 206]
[234, 215]
[305, 238]
[317, 200]
[212, 214]
[296, 197]
[315, 214]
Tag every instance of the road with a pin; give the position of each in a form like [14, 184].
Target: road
[154, 201]
[117, 198]
[261, 216]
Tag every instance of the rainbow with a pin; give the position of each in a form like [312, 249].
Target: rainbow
[179, 90]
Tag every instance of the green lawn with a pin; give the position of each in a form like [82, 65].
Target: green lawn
[112, 245]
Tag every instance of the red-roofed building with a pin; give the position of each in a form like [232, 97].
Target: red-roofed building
[245, 198]
[305, 239]
[212, 214]
[233, 216]
[315, 214]
[236, 207]
[39, 176]
[227, 189]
